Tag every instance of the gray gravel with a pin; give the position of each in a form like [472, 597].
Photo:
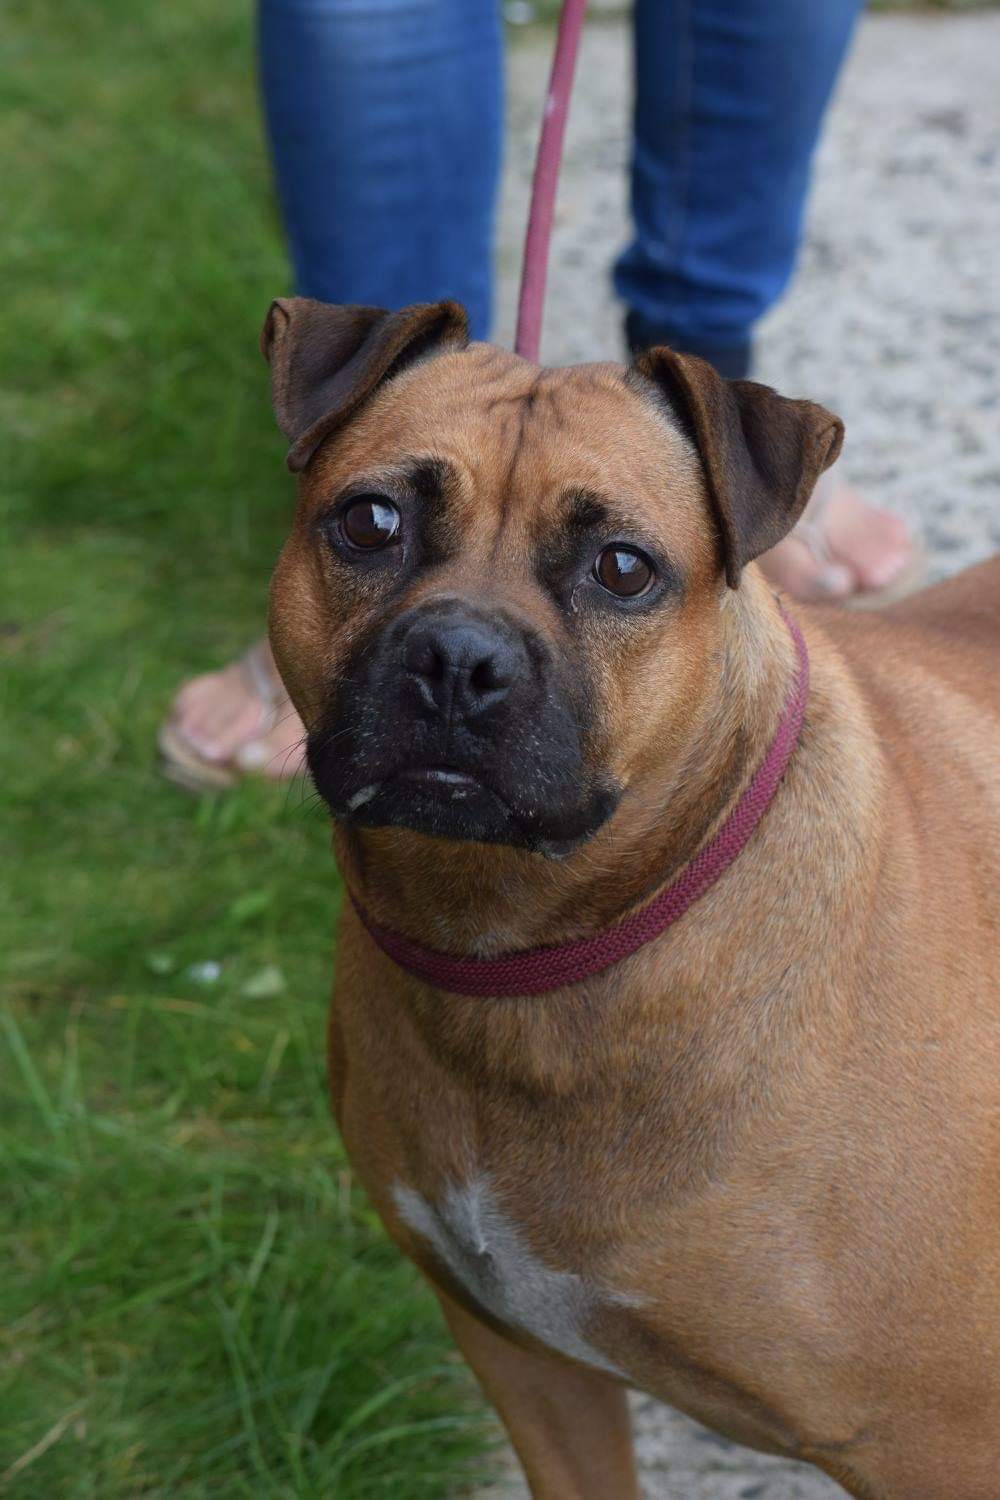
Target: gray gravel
[893, 320]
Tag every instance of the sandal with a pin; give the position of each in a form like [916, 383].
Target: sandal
[236, 743]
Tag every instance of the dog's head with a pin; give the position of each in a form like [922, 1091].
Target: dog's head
[502, 590]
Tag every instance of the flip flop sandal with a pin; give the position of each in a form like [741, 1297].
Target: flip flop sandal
[810, 531]
[183, 763]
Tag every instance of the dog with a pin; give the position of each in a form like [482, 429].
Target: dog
[748, 1162]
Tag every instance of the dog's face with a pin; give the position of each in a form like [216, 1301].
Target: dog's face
[503, 584]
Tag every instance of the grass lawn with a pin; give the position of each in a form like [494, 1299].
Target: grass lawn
[194, 1300]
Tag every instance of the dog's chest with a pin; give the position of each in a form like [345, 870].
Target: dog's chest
[487, 1253]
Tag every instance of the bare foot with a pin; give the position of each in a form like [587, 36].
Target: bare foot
[234, 721]
[843, 546]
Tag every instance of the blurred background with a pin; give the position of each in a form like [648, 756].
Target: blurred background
[194, 1299]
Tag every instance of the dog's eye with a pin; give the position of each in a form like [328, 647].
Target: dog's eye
[370, 521]
[623, 571]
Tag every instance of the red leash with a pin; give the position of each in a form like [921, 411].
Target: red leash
[543, 187]
[535, 971]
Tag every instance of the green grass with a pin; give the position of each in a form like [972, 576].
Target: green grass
[194, 1299]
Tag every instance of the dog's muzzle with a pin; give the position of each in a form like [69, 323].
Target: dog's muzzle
[458, 721]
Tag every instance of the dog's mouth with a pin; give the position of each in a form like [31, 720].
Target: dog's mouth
[446, 782]
[412, 793]
[449, 802]
[520, 782]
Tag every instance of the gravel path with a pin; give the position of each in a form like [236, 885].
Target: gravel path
[893, 320]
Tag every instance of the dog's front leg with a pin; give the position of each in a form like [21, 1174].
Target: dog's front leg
[569, 1426]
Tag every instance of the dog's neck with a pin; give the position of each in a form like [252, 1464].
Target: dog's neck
[482, 901]
[727, 1004]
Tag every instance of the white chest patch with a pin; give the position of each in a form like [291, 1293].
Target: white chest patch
[485, 1251]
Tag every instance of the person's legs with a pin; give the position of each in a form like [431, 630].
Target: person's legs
[384, 119]
[729, 101]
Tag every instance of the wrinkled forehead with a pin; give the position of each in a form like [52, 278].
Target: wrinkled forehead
[522, 440]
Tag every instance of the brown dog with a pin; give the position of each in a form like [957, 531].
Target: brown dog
[754, 1167]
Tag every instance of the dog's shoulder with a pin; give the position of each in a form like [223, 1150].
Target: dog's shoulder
[966, 606]
[927, 667]
[950, 630]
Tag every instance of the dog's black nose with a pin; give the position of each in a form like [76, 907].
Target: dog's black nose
[460, 665]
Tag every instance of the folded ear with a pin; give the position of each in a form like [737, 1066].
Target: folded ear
[761, 452]
[325, 360]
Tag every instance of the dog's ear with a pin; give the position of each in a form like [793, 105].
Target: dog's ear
[325, 360]
[761, 452]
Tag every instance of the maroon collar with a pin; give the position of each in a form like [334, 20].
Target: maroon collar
[535, 971]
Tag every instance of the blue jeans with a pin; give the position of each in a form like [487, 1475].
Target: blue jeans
[385, 121]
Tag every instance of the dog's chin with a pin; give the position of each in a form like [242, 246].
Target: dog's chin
[450, 804]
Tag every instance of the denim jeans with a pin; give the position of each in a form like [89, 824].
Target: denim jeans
[385, 120]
